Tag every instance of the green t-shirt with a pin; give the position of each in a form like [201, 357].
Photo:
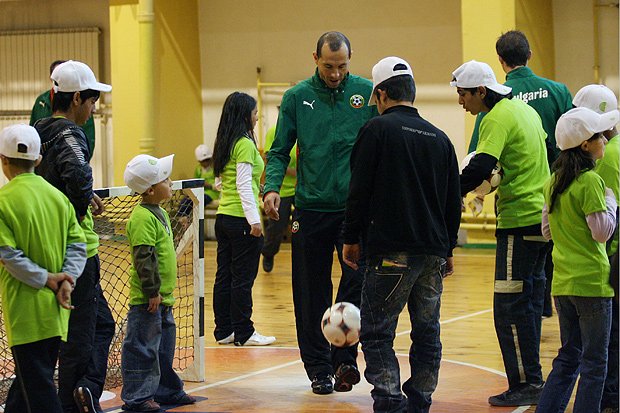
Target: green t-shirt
[244, 151]
[288, 183]
[608, 168]
[209, 177]
[512, 133]
[143, 228]
[38, 220]
[580, 264]
[92, 238]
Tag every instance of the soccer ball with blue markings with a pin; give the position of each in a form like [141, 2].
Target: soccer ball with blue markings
[491, 183]
[341, 324]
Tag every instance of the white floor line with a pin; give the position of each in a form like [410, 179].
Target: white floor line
[452, 320]
[234, 379]
[521, 409]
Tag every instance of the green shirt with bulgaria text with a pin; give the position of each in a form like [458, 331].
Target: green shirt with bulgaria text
[288, 183]
[512, 133]
[38, 220]
[580, 264]
[608, 168]
[244, 151]
[550, 99]
[143, 228]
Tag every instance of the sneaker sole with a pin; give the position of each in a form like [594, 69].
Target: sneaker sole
[347, 380]
[84, 400]
[322, 390]
[503, 403]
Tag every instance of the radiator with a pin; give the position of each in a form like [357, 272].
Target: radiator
[25, 58]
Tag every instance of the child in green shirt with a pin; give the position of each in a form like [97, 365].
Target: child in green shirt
[148, 348]
[580, 216]
[42, 253]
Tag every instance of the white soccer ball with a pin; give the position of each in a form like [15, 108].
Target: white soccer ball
[341, 324]
[491, 183]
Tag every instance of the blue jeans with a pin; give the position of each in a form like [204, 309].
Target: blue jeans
[518, 304]
[584, 331]
[147, 355]
[390, 282]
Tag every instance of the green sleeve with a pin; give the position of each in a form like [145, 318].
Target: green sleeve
[89, 131]
[278, 157]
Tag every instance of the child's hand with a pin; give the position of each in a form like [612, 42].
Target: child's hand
[55, 279]
[63, 296]
[256, 230]
[154, 303]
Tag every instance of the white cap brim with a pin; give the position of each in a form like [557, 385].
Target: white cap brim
[165, 167]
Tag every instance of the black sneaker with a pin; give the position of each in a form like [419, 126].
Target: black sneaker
[84, 400]
[322, 384]
[267, 263]
[347, 375]
[527, 394]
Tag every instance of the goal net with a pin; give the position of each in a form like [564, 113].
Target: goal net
[186, 210]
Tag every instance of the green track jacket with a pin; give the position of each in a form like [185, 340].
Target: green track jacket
[325, 123]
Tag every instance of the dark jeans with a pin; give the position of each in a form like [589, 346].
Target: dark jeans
[584, 331]
[238, 254]
[388, 285]
[147, 357]
[315, 236]
[83, 359]
[274, 230]
[33, 389]
[548, 302]
[610, 390]
[517, 306]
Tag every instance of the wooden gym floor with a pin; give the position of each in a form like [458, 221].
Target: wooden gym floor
[272, 378]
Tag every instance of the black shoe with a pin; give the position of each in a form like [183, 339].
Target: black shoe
[525, 395]
[267, 263]
[347, 375]
[84, 400]
[322, 384]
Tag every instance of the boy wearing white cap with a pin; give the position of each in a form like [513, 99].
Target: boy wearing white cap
[82, 363]
[409, 232]
[580, 216]
[148, 348]
[601, 99]
[204, 170]
[512, 134]
[42, 253]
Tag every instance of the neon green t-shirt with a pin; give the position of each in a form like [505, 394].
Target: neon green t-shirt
[288, 183]
[580, 264]
[143, 228]
[209, 177]
[40, 221]
[608, 168]
[92, 239]
[244, 151]
[512, 132]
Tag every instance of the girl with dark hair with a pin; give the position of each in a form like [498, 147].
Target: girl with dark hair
[580, 216]
[238, 166]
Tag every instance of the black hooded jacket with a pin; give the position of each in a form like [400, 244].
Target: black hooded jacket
[65, 161]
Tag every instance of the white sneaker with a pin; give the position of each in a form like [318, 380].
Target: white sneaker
[258, 339]
[228, 340]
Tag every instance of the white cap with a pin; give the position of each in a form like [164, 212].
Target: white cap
[74, 76]
[203, 152]
[580, 124]
[474, 74]
[598, 98]
[20, 142]
[385, 69]
[144, 171]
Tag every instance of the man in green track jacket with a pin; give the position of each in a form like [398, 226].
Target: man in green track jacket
[323, 115]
